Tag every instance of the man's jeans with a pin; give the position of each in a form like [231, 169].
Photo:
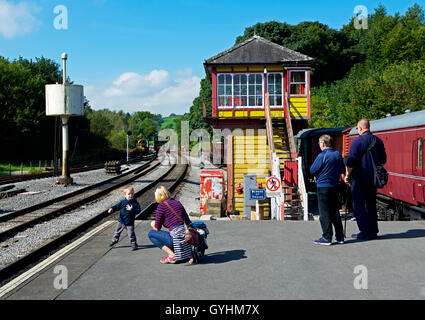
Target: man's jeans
[329, 212]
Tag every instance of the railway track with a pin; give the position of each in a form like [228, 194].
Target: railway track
[170, 179]
[42, 175]
[18, 220]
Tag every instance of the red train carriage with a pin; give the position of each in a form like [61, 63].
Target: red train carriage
[403, 136]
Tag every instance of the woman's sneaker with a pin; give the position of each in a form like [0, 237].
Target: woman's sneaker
[323, 242]
[168, 260]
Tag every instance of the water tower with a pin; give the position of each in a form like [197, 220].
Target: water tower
[65, 101]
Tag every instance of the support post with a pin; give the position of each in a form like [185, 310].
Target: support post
[66, 179]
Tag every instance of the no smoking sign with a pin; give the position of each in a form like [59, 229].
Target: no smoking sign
[273, 186]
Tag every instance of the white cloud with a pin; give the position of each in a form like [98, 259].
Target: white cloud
[17, 19]
[157, 92]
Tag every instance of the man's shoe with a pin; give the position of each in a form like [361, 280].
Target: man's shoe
[113, 242]
[340, 241]
[134, 246]
[168, 260]
[323, 242]
[360, 236]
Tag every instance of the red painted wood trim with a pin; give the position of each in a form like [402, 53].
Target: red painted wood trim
[214, 93]
[229, 160]
[308, 94]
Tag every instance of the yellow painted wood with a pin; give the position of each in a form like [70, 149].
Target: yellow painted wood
[241, 114]
[225, 114]
[298, 99]
[224, 69]
[255, 165]
[239, 69]
[274, 68]
[256, 113]
[256, 68]
[298, 104]
[276, 114]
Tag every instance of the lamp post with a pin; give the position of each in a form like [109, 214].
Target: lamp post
[128, 134]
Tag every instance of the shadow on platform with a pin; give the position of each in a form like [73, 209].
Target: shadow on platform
[223, 256]
[409, 234]
[144, 246]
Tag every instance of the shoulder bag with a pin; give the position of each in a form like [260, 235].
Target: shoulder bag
[190, 234]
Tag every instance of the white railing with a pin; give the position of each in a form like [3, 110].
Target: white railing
[302, 188]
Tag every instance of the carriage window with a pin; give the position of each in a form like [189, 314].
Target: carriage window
[420, 153]
[298, 83]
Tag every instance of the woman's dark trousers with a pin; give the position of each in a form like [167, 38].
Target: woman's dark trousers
[329, 212]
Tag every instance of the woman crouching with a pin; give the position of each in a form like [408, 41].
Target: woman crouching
[170, 213]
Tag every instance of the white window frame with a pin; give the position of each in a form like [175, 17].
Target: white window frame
[233, 94]
[282, 87]
[218, 96]
[307, 85]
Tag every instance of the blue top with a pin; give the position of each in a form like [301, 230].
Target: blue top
[127, 217]
[327, 168]
[358, 158]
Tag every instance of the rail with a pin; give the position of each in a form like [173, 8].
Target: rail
[289, 127]
[277, 203]
[16, 267]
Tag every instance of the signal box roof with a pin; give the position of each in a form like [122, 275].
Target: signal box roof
[257, 51]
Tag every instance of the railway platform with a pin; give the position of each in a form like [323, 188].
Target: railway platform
[246, 260]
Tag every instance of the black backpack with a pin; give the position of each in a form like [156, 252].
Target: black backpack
[380, 175]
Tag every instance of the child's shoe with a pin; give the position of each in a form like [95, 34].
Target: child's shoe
[134, 246]
[113, 242]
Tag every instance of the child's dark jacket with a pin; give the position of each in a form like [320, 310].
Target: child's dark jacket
[127, 217]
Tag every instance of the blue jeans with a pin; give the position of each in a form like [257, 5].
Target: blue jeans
[161, 238]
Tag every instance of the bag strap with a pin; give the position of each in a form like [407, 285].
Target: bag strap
[172, 210]
[372, 144]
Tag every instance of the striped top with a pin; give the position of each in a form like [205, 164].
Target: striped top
[165, 217]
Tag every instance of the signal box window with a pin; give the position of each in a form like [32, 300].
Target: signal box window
[420, 153]
[240, 90]
[225, 90]
[274, 86]
[297, 83]
[255, 90]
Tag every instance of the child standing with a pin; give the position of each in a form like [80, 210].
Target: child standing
[128, 207]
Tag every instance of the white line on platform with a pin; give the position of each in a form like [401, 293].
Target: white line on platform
[27, 275]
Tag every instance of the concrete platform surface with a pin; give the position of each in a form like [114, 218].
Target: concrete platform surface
[260, 260]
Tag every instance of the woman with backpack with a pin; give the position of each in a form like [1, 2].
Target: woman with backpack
[170, 214]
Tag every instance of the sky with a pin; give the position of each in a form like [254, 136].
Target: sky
[148, 55]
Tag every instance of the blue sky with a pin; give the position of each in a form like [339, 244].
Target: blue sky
[137, 55]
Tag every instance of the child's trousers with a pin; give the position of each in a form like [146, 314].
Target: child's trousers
[130, 231]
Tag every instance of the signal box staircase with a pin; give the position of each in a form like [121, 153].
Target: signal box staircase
[251, 156]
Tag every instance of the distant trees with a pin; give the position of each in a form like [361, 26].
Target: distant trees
[113, 126]
[388, 79]
[24, 127]
[26, 133]
[358, 72]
